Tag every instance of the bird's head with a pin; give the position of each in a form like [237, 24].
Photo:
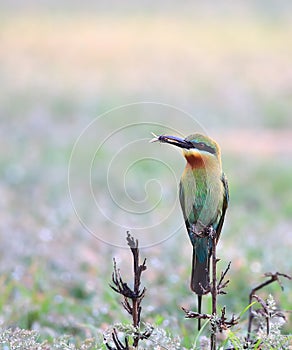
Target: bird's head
[197, 148]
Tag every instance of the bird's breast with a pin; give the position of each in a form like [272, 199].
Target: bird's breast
[201, 195]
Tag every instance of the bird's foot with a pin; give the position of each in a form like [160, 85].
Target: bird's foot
[211, 232]
[197, 231]
[200, 230]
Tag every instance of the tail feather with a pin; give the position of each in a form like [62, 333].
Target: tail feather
[199, 280]
[200, 275]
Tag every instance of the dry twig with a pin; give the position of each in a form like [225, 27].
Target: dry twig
[274, 277]
[132, 297]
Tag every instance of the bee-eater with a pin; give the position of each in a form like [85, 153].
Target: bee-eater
[203, 194]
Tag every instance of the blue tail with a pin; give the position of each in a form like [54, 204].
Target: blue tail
[200, 266]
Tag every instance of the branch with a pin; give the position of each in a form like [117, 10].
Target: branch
[274, 277]
[223, 284]
[222, 322]
[214, 289]
[118, 344]
[197, 315]
[132, 297]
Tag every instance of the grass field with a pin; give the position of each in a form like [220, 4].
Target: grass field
[58, 73]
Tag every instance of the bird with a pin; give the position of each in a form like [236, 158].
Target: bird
[204, 196]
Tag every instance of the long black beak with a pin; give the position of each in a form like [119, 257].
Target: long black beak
[173, 140]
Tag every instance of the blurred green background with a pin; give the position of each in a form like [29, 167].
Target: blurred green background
[62, 65]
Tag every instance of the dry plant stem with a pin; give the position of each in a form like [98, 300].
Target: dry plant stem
[265, 311]
[223, 284]
[273, 277]
[118, 344]
[138, 269]
[132, 296]
[214, 288]
[223, 324]
[197, 315]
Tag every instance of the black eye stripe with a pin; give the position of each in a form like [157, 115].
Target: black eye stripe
[203, 147]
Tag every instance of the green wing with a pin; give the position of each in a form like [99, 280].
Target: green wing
[225, 205]
[182, 203]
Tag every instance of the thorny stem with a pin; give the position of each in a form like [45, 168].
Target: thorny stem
[222, 284]
[118, 344]
[134, 248]
[273, 277]
[132, 296]
[266, 311]
[138, 269]
[214, 289]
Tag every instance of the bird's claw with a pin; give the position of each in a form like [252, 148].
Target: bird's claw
[202, 231]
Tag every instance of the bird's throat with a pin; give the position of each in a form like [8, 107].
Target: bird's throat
[195, 160]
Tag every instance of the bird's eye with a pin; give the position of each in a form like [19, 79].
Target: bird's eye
[202, 144]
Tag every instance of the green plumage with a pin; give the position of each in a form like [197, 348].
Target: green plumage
[203, 194]
[203, 198]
